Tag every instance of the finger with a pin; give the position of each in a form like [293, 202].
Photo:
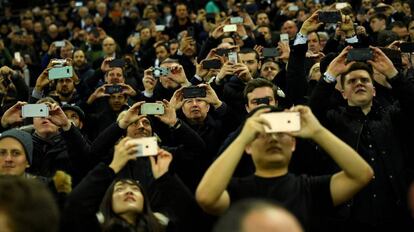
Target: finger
[153, 162]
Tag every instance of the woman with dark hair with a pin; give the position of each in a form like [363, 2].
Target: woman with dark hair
[124, 204]
[126, 201]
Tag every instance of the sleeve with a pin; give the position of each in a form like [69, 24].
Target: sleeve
[320, 193]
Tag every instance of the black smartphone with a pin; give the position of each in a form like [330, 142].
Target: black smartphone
[394, 56]
[270, 52]
[113, 89]
[211, 64]
[211, 17]
[407, 47]
[190, 31]
[222, 51]
[194, 91]
[117, 63]
[359, 54]
[330, 16]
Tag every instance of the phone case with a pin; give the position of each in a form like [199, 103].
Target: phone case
[230, 28]
[152, 109]
[282, 121]
[232, 57]
[60, 72]
[146, 146]
[35, 110]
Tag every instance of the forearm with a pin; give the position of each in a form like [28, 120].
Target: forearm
[218, 175]
[344, 156]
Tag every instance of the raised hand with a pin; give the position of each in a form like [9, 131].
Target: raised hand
[132, 115]
[13, 115]
[160, 163]
[123, 153]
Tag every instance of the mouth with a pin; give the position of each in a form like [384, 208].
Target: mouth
[360, 90]
[274, 149]
[130, 198]
[8, 166]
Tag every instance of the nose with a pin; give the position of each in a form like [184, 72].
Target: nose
[8, 157]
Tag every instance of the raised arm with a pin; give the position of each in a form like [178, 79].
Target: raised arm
[355, 174]
[211, 193]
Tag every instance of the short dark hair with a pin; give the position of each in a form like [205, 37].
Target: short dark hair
[379, 16]
[357, 66]
[28, 205]
[250, 50]
[258, 83]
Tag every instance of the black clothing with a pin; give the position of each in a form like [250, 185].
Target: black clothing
[380, 138]
[308, 198]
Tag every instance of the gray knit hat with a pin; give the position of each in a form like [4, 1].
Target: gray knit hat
[24, 138]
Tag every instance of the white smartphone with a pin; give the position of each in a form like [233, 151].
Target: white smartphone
[230, 28]
[159, 27]
[284, 37]
[152, 109]
[341, 5]
[236, 20]
[60, 72]
[17, 57]
[282, 121]
[59, 44]
[146, 146]
[232, 57]
[35, 110]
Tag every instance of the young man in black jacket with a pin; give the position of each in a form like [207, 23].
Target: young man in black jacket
[378, 132]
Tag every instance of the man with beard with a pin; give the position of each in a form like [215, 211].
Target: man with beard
[84, 71]
[64, 92]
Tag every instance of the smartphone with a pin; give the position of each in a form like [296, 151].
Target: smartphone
[211, 64]
[194, 91]
[394, 56]
[359, 54]
[293, 8]
[113, 89]
[146, 146]
[35, 110]
[146, 23]
[58, 62]
[230, 28]
[78, 4]
[152, 109]
[160, 71]
[232, 57]
[270, 52]
[60, 72]
[284, 37]
[341, 5]
[190, 31]
[236, 20]
[17, 57]
[282, 121]
[117, 63]
[159, 27]
[407, 47]
[59, 44]
[330, 16]
[222, 51]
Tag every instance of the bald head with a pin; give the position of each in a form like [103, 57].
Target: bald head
[271, 219]
[290, 28]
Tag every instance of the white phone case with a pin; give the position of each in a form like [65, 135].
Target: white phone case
[35, 110]
[282, 121]
[146, 146]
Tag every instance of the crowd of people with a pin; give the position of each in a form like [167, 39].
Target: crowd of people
[149, 115]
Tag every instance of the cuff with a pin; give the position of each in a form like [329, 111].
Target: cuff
[300, 39]
[147, 94]
[37, 94]
[329, 78]
[352, 40]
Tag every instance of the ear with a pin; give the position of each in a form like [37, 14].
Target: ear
[293, 144]
[343, 94]
[374, 91]
[248, 149]
[247, 108]
[208, 107]
[259, 66]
